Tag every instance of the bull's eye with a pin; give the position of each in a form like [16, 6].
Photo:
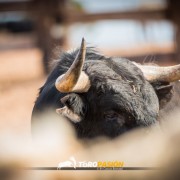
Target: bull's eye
[111, 115]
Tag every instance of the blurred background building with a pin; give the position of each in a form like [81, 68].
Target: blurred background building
[139, 29]
[31, 30]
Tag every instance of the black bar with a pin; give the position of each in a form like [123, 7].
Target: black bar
[92, 168]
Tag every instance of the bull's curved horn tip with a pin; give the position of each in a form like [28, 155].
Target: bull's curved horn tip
[83, 43]
[75, 80]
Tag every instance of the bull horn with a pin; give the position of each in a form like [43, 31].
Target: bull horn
[161, 74]
[75, 80]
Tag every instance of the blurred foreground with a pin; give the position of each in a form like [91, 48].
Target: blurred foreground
[56, 142]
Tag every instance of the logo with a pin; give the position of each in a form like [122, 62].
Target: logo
[99, 165]
[70, 163]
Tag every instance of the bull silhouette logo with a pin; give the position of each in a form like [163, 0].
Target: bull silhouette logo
[70, 163]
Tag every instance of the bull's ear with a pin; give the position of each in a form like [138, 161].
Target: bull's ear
[68, 113]
[74, 107]
[164, 92]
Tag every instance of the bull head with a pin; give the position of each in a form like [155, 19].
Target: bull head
[120, 98]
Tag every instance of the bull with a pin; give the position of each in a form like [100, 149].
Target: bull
[105, 95]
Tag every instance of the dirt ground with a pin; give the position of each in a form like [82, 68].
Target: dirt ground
[21, 75]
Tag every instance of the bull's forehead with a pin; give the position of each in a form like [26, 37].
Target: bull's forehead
[118, 94]
[116, 69]
[113, 78]
[100, 69]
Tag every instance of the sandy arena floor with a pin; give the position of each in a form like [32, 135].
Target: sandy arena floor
[20, 77]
